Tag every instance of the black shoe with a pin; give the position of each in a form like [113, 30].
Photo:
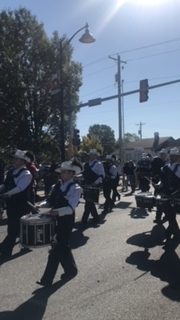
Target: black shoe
[44, 283]
[69, 275]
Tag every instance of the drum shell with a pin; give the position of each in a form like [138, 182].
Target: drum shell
[163, 203]
[36, 230]
[144, 200]
[91, 194]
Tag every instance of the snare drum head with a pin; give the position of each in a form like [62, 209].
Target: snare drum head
[36, 218]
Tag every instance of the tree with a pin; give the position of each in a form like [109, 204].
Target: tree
[24, 68]
[91, 142]
[28, 58]
[105, 135]
[130, 137]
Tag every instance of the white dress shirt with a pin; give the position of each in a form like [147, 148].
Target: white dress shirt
[22, 181]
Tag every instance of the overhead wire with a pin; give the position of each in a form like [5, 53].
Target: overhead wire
[134, 49]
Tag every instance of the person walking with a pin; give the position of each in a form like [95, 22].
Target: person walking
[63, 200]
[93, 174]
[16, 191]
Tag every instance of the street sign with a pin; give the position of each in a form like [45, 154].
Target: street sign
[94, 102]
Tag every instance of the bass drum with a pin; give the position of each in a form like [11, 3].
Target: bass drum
[36, 230]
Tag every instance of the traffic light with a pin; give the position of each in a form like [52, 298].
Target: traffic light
[76, 138]
[143, 90]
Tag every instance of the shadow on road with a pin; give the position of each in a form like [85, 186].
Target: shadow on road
[16, 255]
[138, 213]
[167, 268]
[150, 238]
[123, 204]
[78, 239]
[35, 307]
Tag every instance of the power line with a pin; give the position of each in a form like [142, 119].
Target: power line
[151, 45]
[153, 55]
[135, 49]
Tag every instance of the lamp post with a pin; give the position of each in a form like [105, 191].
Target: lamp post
[87, 37]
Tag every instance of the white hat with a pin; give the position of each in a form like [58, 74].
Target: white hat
[163, 151]
[68, 165]
[93, 151]
[174, 151]
[20, 154]
[108, 157]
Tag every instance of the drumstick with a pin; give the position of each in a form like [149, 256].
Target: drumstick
[32, 207]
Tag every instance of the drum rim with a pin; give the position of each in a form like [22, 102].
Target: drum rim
[39, 218]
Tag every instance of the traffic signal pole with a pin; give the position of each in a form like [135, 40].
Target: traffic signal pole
[98, 101]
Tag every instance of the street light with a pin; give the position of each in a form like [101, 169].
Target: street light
[87, 38]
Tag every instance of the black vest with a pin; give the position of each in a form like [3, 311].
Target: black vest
[107, 167]
[157, 163]
[57, 197]
[169, 179]
[89, 175]
[20, 199]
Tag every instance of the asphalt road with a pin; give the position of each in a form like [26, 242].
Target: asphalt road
[124, 273]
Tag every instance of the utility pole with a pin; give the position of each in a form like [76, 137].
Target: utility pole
[119, 83]
[140, 124]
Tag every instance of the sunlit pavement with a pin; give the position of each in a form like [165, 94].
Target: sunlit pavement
[124, 272]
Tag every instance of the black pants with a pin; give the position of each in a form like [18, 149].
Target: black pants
[89, 208]
[61, 251]
[144, 184]
[109, 203]
[14, 214]
[173, 228]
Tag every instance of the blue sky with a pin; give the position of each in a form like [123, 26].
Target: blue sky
[146, 35]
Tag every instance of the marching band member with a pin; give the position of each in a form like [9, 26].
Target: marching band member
[169, 187]
[31, 166]
[143, 171]
[109, 182]
[63, 200]
[93, 176]
[116, 181]
[16, 191]
[157, 164]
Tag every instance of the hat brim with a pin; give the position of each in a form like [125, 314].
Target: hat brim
[74, 169]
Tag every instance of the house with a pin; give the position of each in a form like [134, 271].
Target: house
[133, 150]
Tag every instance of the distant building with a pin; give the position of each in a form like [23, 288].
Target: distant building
[133, 150]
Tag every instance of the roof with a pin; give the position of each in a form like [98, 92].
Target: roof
[146, 143]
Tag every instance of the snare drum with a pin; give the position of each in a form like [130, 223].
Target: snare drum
[91, 193]
[162, 203]
[144, 200]
[36, 230]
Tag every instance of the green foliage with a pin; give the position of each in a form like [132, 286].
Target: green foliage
[91, 142]
[130, 137]
[105, 135]
[30, 117]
